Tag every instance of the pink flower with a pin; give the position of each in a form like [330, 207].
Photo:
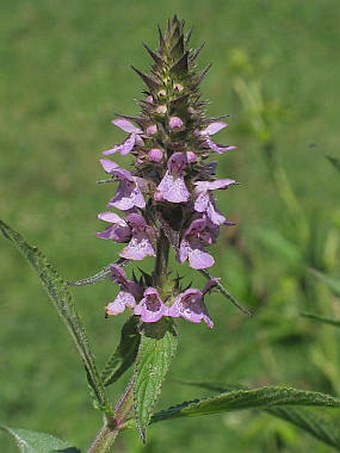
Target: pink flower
[205, 203]
[191, 245]
[133, 139]
[212, 129]
[129, 292]
[190, 305]
[151, 308]
[129, 193]
[134, 230]
[172, 188]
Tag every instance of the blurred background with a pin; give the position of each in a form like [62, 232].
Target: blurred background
[65, 70]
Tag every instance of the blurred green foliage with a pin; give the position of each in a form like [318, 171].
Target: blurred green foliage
[64, 72]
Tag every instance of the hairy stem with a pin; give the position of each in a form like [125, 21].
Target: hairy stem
[112, 426]
[160, 273]
[105, 438]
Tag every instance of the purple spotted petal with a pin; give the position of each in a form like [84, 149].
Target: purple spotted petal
[128, 193]
[173, 189]
[137, 249]
[119, 278]
[123, 300]
[199, 259]
[190, 306]
[204, 203]
[218, 148]
[140, 245]
[119, 231]
[108, 165]
[204, 186]
[151, 308]
[191, 247]
[214, 127]
[177, 163]
[125, 148]
[126, 126]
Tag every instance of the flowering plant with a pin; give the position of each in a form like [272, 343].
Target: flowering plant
[165, 201]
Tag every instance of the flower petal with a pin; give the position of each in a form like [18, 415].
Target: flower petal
[199, 259]
[137, 249]
[123, 300]
[214, 127]
[126, 126]
[173, 189]
[151, 308]
[218, 148]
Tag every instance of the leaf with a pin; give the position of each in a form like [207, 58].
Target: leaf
[316, 317]
[333, 284]
[35, 442]
[324, 427]
[321, 426]
[156, 351]
[263, 397]
[335, 162]
[64, 304]
[125, 354]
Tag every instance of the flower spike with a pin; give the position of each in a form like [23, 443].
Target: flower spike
[167, 196]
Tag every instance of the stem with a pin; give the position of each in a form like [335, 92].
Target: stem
[107, 435]
[105, 438]
[160, 273]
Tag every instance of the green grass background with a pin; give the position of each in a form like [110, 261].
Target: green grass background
[64, 71]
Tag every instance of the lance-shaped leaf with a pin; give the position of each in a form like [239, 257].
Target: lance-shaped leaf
[264, 397]
[125, 354]
[325, 425]
[64, 304]
[36, 442]
[323, 319]
[156, 351]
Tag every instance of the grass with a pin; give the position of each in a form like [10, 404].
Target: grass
[64, 72]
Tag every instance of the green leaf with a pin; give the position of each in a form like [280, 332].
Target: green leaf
[324, 426]
[35, 442]
[333, 285]
[335, 162]
[64, 304]
[125, 354]
[156, 351]
[264, 397]
[320, 425]
[316, 317]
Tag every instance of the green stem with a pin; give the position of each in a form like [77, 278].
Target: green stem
[105, 438]
[107, 435]
[160, 273]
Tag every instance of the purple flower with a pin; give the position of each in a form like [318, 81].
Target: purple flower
[129, 193]
[205, 203]
[140, 245]
[133, 139]
[132, 229]
[151, 308]
[189, 305]
[212, 129]
[129, 292]
[175, 122]
[155, 155]
[172, 187]
[191, 247]
[118, 231]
